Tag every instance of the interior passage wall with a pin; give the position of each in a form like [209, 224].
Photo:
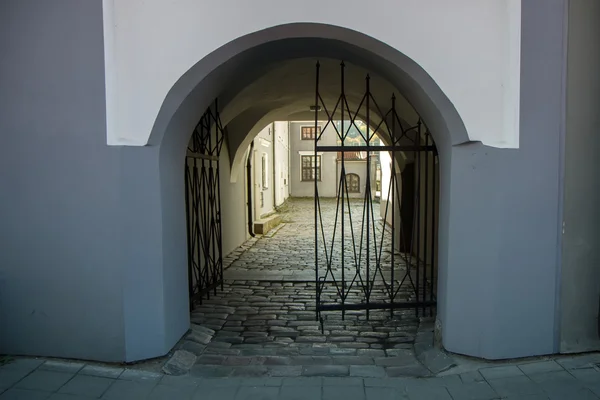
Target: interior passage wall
[281, 162]
[580, 280]
[233, 206]
[263, 187]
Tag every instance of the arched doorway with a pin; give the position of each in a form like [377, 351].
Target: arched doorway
[225, 73]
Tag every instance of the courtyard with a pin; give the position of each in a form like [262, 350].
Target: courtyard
[263, 321]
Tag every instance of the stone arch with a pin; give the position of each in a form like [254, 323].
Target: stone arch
[225, 72]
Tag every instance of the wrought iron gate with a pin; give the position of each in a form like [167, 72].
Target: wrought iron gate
[369, 259]
[203, 207]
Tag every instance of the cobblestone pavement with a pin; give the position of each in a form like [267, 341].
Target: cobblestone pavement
[267, 325]
[290, 247]
[564, 378]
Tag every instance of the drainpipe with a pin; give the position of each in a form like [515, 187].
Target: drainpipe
[273, 185]
[249, 184]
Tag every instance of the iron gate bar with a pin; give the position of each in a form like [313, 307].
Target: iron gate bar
[203, 207]
[422, 287]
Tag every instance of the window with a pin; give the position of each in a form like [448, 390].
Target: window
[353, 183]
[308, 132]
[308, 168]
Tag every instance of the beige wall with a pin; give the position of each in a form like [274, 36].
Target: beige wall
[264, 201]
[233, 207]
[328, 184]
[281, 162]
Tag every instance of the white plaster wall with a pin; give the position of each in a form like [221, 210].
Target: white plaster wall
[328, 184]
[471, 48]
[281, 162]
[233, 206]
[263, 146]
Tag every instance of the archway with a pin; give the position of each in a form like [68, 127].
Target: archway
[228, 70]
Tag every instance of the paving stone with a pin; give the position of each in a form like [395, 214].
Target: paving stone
[193, 347]
[367, 371]
[140, 375]
[426, 393]
[123, 389]
[325, 370]
[343, 392]
[44, 380]
[396, 361]
[64, 366]
[470, 377]
[385, 393]
[505, 371]
[218, 345]
[236, 361]
[300, 393]
[343, 352]
[412, 370]
[353, 360]
[577, 362]
[250, 371]
[540, 367]
[353, 345]
[278, 360]
[357, 382]
[23, 394]
[473, 391]
[202, 329]
[587, 375]
[85, 385]
[180, 363]
[254, 334]
[284, 370]
[340, 339]
[311, 339]
[199, 337]
[371, 352]
[210, 371]
[514, 386]
[10, 376]
[259, 339]
[436, 361]
[367, 340]
[101, 371]
[166, 392]
[231, 339]
[377, 335]
[215, 359]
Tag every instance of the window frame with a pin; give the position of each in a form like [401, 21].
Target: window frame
[313, 135]
[348, 185]
[319, 161]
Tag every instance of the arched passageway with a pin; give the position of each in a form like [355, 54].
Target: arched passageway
[282, 87]
[465, 190]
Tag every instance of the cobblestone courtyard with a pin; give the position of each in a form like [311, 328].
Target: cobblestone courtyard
[263, 322]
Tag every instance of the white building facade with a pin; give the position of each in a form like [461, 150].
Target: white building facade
[94, 262]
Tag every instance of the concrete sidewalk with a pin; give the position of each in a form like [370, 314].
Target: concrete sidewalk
[568, 378]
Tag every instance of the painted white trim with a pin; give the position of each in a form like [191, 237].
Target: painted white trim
[309, 153]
